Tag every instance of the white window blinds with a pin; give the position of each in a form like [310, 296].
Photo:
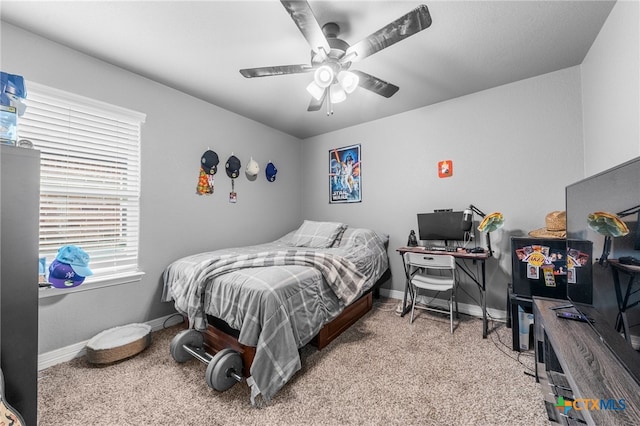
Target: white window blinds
[89, 176]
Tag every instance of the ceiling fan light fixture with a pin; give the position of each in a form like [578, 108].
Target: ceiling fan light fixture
[349, 81]
[338, 94]
[324, 76]
[315, 90]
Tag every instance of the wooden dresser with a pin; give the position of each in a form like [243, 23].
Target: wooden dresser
[572, 362]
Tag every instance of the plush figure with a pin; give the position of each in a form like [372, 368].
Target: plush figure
[412, 241]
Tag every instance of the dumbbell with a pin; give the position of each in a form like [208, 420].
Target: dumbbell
[223, 369]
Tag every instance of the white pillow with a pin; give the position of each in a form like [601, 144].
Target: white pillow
[317, 234]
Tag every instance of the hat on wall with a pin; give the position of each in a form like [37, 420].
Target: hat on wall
[270, 171]
[556, 222]
[233, 167]
[62, 275]
[209, 162]
[76, 258]
[252, 167]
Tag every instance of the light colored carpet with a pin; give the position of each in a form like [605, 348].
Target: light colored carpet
[382, 370]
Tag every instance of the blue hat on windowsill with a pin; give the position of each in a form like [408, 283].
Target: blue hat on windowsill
[75, 257]
[62, 275]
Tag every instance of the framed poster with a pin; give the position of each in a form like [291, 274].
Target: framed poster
[345, 175]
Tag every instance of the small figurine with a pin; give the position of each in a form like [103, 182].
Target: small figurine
[413, 241]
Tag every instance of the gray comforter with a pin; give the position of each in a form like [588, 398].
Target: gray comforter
[276, 295]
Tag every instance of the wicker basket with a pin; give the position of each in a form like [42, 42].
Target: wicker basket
[118, 343]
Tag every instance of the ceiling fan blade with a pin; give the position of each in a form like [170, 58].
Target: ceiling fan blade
[315, 104]
[304, 18]
[276, 70]
[413, 22]
[374, 84]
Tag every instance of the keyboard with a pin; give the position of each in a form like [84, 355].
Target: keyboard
[441, 248]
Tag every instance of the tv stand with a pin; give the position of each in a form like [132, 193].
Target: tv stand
[574, 367]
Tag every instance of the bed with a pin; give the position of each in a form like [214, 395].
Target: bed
[266, 301]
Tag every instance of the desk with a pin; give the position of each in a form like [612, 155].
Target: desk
[459, 255]
[622, 323]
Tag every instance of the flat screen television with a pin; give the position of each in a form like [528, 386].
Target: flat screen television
[615, 190]
[442, 226]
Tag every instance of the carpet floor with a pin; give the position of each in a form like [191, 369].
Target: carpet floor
[383, 370]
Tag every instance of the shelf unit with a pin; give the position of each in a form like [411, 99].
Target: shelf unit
[19, 204]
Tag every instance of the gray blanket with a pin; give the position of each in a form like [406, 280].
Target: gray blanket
[276, 295]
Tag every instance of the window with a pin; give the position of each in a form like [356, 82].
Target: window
[89, 178]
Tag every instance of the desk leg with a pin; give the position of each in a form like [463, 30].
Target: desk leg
[484, 301]
[407, 288]
[482, 286]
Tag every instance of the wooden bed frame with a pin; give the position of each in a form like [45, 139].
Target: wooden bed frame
[219, 335]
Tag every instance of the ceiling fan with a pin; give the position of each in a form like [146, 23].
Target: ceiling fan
[332, 57]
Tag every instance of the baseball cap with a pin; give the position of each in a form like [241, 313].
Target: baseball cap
[252, 167]
[233, 167]
[271, 171]
[76, 258]
[210, 162]
[62, 275]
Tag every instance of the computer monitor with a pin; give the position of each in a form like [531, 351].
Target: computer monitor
[442, 225]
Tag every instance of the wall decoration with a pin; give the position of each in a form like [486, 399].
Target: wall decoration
[345, 175]
[208, 168]
[445, 169]
[270, 172]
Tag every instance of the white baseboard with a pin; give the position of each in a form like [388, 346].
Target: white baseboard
[57, 356]
[463, 308]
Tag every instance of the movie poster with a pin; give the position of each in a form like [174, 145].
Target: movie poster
[345, 175]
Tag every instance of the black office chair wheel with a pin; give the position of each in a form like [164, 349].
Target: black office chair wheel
[190, 338]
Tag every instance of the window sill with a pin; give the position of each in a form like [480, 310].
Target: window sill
[113, 280]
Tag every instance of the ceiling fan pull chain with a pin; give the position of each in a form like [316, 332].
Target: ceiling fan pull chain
[329, 104]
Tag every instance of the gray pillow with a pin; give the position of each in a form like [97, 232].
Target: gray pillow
[317, 234]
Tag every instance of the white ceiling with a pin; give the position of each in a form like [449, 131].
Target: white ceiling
[198, 47]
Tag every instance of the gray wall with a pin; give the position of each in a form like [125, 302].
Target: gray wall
[174, 220]
[611, 91]
[514, 149]
[509, 148]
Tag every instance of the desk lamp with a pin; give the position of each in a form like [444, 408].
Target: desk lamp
[490, 222]
[611, 226]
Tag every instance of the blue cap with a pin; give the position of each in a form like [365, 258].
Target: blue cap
[271, 171]
[62, 275]
[233, 167]
[210, 162]
[75, 257]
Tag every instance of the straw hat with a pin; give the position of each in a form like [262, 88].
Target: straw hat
[556, 222]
